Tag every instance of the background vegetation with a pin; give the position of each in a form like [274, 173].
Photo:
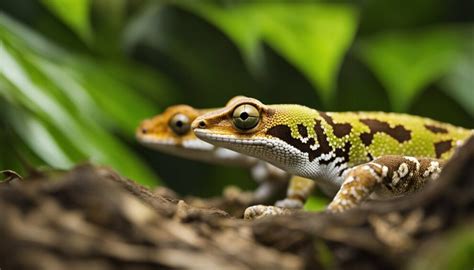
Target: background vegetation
[77, 76]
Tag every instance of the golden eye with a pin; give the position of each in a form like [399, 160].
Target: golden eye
[245, 117]
[179, 123]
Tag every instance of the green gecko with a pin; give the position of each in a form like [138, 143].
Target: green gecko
[350, 155]
[170, 132]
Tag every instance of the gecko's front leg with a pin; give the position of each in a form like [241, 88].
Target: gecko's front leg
[390, 174]
[298, 191]
[271, 179]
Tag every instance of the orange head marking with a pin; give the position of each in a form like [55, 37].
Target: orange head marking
[242, 115]
[172, 128]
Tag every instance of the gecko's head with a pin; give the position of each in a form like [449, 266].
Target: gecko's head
[171, 132]
[279, 134]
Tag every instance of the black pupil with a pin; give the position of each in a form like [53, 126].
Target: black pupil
[244, 116]
[179, 123]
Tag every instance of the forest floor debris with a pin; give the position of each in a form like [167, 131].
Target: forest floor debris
[91, 217]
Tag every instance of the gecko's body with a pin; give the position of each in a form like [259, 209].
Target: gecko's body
[170, 132]
[353, 154]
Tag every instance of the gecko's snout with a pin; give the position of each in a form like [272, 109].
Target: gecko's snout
[145, 128]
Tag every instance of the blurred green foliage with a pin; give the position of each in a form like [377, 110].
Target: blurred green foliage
[313, 37]
[75, 15]
[451, 250]
[407, 62]
[76, 78]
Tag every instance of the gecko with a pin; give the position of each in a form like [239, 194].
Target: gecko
[351, 156]
[170, 132]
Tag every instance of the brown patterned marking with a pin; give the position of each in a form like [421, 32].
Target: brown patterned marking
[283, 133]
[324, 147]
[340, 130]
[436, 129]
[443, 147]
[366, 138]
[399, 133]
[405, 182]
[303, 130]
[370, 157]
[344, 153]
[341, 172]
[339, 152]
[416, 175]
[411, 185]
[326, 162]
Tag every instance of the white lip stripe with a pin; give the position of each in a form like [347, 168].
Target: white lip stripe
[194, 144]
[227, 138]
[198, 144]
[153, 140]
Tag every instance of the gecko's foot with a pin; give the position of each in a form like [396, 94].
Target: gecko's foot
[260, 211]
[290, 203]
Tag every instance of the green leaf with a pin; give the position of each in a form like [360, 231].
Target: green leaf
[314, 41]
[30, 89]
[121, 105]
[459, 81]
[406, 62]
[23, 36]
[14, 154]
[74, 13]
[39, 139]
[117, 94]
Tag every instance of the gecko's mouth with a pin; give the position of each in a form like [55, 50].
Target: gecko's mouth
[149, 140]
[160, 143]
[224, 139]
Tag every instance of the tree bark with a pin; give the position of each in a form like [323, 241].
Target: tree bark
[91, 217]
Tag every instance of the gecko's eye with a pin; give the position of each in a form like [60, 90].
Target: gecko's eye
[179, 123]
[245, 117]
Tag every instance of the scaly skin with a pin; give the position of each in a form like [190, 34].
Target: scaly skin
[162, 133]
[353, 154]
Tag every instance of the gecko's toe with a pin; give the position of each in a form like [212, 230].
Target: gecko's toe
[260, 211]
[290, 203]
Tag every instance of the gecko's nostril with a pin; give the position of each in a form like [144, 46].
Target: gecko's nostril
[202, 124]
[144, 130]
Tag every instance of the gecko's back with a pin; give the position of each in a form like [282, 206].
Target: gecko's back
[375, 134]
